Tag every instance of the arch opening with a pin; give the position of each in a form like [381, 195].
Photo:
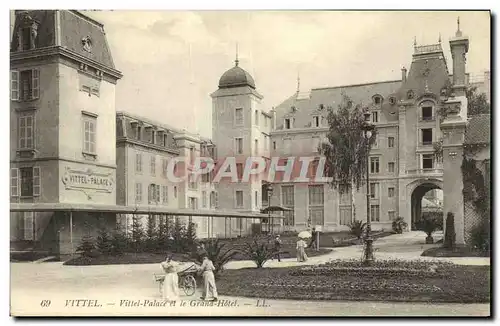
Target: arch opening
[426, 199]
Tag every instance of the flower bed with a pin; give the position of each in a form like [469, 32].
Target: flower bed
[367, 271]
[459, 284]
[392, 263]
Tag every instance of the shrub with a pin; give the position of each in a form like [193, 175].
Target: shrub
[119, 242]
[428, 224]
[357, 228]
[104, 242]
[178, 234]
[86, 247]
[449, 235]
[480, 237]
[214, 251]
[259, 251]
[399, 225]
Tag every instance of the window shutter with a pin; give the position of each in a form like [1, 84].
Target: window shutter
[36, 181]
[14, 85]
[35, 85]
[14, 182]
[216, 200]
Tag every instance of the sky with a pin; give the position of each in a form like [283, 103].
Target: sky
[172, 60]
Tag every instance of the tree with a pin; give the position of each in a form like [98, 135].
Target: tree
[346, 150]
[191, 237]
[137, 233]
[477, 103]
[151, 233]
[104, 242]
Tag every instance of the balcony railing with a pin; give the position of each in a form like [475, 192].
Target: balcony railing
[424, 171]
[428, 48]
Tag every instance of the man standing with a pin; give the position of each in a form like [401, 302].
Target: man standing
[209, 289]
[277, 247]
[313, 238]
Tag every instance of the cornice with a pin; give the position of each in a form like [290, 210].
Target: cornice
[63, 51]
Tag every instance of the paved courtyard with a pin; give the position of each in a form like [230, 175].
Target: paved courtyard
[31, 283]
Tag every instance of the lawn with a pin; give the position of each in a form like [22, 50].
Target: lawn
[451, 283]
[455, 252]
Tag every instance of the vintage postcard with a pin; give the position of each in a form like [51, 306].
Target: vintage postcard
[250, 163]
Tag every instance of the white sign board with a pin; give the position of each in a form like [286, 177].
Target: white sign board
[318, 228]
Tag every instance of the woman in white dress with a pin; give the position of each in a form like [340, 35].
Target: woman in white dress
[170, 289]
[301, 250]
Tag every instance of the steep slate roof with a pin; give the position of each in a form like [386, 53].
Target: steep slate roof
[478, 130]
[74, 26]
[333, 96]
[432, 63]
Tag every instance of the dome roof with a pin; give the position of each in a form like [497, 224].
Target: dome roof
[236, 77]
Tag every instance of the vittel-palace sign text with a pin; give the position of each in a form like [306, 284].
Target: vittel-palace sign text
[88, 179]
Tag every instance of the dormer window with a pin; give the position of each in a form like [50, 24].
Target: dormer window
[377, 99]
[288, 123]
[316, 121]
[27, 33]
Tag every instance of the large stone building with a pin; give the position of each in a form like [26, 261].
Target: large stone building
[144, 151]
[408, 115]
[62, 118]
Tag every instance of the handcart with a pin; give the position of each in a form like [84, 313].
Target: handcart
[187, 279]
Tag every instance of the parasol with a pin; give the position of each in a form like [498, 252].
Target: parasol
[305, 234]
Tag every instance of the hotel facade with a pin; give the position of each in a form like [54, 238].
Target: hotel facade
[69, 145]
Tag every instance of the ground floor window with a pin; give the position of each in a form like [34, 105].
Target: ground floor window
[287, 200]
[345, 215]
[375, 213]
[316, 205]
[28, 226]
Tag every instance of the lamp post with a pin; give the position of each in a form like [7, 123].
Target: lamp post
[269, 194]
[367, 133]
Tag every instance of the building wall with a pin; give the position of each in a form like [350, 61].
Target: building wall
[72, 102]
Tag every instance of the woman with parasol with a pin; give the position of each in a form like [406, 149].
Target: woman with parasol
[302, 245]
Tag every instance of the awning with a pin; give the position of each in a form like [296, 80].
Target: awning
[119, 209]
[275, 209]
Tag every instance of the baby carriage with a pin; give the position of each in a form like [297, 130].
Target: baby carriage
[187, 278]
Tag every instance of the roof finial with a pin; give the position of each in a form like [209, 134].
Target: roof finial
[459, 32]
[414, 41]
[236, 61]
[439, 40]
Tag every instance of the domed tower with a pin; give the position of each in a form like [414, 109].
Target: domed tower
[238, 130]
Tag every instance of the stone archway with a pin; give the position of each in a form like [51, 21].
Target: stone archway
[416, 200]
[411, 203]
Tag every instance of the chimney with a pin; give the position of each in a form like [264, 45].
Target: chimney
[403, 74]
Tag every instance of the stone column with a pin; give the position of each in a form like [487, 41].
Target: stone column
[453, 128]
